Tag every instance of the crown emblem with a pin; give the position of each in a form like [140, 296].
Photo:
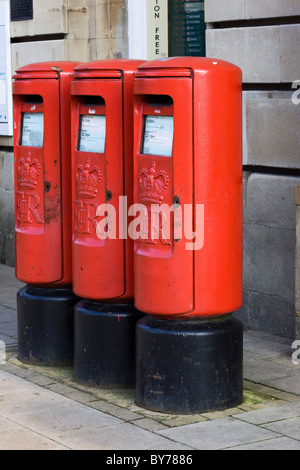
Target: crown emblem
[28, 172]
[87, 179]
[152, 184]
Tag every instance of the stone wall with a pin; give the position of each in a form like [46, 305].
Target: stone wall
[80, 30]
[262, 39]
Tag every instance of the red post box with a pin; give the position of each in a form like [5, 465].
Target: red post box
[102, 175]
[188, 174]
[41, 97]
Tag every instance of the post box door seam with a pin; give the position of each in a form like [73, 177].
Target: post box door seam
[167, 267]
[45, 177]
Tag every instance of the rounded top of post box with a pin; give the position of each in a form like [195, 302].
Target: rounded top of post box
[185, 64]
[46, 69]
[121, 65]
[58, 66]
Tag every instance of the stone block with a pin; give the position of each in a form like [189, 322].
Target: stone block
[271, 125]
[269, 254]
[110, 24]
[7, 219]
[78, 50]
[297, 195]
[289, 53]
[270, 235]
[269, 261]
[7, 198]
[255, 50]
[272, 314]
[24, 53]
[108, 20]
[118, 15]
[95, 52]
[78, 18]
[7, 225]
[92, 19]
[106, 49]
[270, 201]
[271, 8]
[7, 250]
[266, 54]
[102, 23]
[49, 17]
[222, 10]
[8, 171]
[269, 313]
[6, 141]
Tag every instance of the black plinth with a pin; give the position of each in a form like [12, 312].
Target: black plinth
[188, 367]
[104, 344]
[45, 325]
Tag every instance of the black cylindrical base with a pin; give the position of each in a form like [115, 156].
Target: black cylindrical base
[188, 367]
[104, 344]
[45, 325]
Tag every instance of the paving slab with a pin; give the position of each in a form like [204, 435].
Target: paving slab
[264, 371]
[288, 427]
[7, 314]
[218, 434]
[278, 443]
[65, 422]
[266, 345]
[290, 383]
[16, 437]
[8, 341]
[270, 414]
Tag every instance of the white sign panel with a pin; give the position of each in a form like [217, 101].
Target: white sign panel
[32, 129]
[6, 127]
[92, 134]
[157, 29]
[158, 135]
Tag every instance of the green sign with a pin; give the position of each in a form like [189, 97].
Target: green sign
[186, 28]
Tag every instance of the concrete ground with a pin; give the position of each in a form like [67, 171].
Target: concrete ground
[44, 408]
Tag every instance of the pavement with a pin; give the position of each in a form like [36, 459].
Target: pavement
[44, 408]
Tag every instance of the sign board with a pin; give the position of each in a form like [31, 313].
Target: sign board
[158, 135]
[21, 10]
[6, 121]
[157, 29]
[32, 134]
[92, 134]
[187, 28]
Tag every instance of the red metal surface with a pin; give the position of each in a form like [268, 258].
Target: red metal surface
[102, 269]
[205, 169]
[43, 176]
